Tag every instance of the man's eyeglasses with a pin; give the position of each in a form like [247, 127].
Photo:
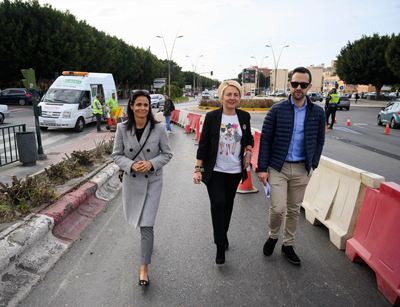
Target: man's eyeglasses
[303, 85]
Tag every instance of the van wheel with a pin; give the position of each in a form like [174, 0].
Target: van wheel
[44, 128]
[348, 108]
[1, 118]
[80, 125]
[21, 102]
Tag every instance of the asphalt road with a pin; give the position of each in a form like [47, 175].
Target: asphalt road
[362, 145]
[102, 267]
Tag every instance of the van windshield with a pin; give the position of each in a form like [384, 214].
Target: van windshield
[62, 95]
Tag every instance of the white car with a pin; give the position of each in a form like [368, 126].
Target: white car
[157, 100]
[4, 113]
[216, 96]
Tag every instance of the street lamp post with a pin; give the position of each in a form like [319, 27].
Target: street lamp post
[194, 70]
[276, 64]
[258, 71]
[169, 59]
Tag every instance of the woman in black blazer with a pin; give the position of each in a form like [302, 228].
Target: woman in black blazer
[221, 161]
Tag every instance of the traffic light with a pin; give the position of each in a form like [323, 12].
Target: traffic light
[29, 81]
[211, 73]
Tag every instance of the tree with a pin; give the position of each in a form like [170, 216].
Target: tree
[393, 55]
[363, 62]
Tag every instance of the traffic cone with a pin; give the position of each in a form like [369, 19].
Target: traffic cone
[326, 127]
[187, 127]
[348, 122]
[387, 129]
[335, 120]
[246, 187]
[108, 119]
[124, 115]
[115, 120]
[197, 130]
[200, 130]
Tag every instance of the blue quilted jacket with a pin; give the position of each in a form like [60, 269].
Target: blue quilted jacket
[277, 134]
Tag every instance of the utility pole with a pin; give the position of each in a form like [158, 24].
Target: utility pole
[30, 84]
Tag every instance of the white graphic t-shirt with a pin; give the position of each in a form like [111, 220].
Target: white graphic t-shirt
[230, 134]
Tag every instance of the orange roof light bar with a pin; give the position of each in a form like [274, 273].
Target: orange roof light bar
[75, 73]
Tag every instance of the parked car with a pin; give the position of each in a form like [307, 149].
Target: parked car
[16, 95]
[247, 94]
[344, 103]
[390, 114]
[4, 113]
[216, 96]
[157, 100]
[314, 96]
[392, 94]
[205, 95]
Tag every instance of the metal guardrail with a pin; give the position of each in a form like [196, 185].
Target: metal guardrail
[9, 151]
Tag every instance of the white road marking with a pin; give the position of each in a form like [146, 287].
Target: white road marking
[344, 129]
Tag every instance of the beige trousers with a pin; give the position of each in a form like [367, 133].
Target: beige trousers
[287, 194]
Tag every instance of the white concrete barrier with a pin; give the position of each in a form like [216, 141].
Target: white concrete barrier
[334, 197]
[160, 117]
[182, 118]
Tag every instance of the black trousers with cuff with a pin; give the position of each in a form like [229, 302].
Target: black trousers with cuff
[222, 191]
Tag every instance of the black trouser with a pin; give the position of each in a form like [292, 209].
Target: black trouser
[331, 111]
[222, 191]
[98, 118]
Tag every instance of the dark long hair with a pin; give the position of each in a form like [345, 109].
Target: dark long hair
[131, 117]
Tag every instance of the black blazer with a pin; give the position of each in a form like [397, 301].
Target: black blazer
[209, 140]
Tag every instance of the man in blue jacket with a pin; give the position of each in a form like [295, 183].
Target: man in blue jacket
[292, 138]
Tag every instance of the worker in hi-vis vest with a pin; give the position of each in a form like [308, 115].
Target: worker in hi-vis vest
[113, 105]
[330, 107]
[98, 111]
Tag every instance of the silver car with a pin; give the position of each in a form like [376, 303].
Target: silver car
[157, 100]
[390, 114]
[4, 113]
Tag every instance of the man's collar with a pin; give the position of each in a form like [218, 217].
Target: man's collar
[291, 101]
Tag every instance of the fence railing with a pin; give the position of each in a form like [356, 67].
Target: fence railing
[8, 150]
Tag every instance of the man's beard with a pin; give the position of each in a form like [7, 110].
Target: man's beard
[298, 95]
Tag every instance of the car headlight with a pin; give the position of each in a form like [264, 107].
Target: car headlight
[67, 114]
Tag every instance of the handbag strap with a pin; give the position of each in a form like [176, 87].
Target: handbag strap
[142, 145]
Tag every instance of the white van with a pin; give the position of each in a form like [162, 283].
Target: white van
[69, 101]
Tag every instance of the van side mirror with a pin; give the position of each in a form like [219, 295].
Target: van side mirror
[383, 108]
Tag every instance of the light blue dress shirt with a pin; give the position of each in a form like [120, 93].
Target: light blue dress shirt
[296, 149]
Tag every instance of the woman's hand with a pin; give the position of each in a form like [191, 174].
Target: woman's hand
[197, 177]
[247, 159]
[142, 166]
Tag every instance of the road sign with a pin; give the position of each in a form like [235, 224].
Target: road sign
[119, 112]
[341, 87]
[29, 81]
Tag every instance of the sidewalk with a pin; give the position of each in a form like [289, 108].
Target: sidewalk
[53, 156]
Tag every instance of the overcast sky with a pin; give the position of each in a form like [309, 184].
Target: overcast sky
[228, 33]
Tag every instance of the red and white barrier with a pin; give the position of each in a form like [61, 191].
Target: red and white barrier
[376, 239]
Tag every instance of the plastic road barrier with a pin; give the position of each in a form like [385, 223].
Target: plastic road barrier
[256, 149]
[334, 197]
[377, 238]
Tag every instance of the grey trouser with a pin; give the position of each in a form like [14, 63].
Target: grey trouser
[146, 245]
[287, 194]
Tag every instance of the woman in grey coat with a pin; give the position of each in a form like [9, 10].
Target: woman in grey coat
[141, 149]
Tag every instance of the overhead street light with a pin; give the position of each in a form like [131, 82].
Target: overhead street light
[258, 71]
[276, 64]
[169, 58]
[194, 69]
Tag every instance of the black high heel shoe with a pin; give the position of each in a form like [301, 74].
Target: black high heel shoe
[220, 259]
[144, 283]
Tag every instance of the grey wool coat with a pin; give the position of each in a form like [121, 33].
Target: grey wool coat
[141, 192]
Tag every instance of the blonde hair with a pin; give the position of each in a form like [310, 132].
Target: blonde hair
[227, 83]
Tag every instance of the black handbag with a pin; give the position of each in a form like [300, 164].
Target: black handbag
[121, 172]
